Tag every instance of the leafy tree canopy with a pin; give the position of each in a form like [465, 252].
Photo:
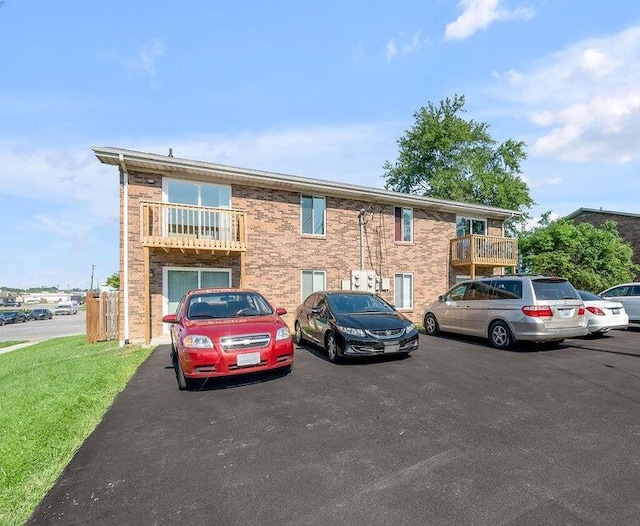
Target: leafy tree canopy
[592, 258]
[447, 157]
[113, 280]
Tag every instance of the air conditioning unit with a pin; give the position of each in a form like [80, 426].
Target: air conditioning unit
[363, 280]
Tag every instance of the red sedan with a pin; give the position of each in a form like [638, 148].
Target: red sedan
[221, 332]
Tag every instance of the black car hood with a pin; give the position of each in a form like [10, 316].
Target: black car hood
[376, 321]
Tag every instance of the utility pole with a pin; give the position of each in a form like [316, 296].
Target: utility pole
[92, 269]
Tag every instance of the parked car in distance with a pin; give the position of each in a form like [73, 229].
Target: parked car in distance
[40, 314]
[508, 309]
[629, 295]
[13, 316]
[603, 315]
[66, 307]
[353, 323]
[222, 332]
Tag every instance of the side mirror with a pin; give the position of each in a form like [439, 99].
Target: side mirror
[441, 298]
[281, 311]
[170, 318]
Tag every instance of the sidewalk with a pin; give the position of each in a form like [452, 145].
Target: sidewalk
[17, 346]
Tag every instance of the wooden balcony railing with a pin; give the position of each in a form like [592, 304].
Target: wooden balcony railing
[484, 251]
[193, 228]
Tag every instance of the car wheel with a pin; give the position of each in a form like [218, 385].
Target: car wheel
[331, 346]
[297, 337]
[183, 382]
[431, 326]
[500, 335]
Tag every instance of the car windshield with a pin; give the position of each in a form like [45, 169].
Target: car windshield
[227, 305]
[356, 303]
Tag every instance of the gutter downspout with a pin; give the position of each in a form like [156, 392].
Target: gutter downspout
[125, 242]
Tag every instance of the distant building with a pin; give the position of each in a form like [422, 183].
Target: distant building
[8, 299]
[628, 225]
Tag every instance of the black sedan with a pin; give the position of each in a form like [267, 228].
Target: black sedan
[350, 323]
[40, 314]
[13, 316]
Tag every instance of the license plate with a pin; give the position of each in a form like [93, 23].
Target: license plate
[392, 347]
[249, 358]
[566, 313]
[615, 311]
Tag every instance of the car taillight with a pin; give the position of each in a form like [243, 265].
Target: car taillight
[594, 310]
[538, 312]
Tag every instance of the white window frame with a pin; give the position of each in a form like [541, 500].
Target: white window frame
[403, 275]
[324, 216]
[314, 273]
[403, 224]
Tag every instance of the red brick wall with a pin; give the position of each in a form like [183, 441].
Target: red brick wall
[277, 252]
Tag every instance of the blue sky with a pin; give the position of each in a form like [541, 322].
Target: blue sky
[316, 89]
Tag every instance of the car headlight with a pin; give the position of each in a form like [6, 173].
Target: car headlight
[352, 331]
[197, 341]
[282, 334]
[409, 328]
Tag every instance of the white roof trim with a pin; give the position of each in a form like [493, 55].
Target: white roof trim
[166, 165]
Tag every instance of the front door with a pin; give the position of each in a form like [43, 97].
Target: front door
[177, 281]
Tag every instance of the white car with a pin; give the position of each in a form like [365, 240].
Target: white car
[66, 307]
[602, 314]
[629, 295]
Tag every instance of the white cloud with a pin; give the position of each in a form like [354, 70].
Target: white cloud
[143, 63]
[405, 46]
[358, 52]
[348, 153]
[585, 98]
[480, 14]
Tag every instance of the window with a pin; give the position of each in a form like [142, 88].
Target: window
[457, 293]
[313, 281]
[313, 215]
[403, 286]
[403, 224]
[193, 222]
[178, 281]
[467, 225]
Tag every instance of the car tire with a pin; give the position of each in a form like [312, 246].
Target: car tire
[331, 346]
[500, 336]
[431, 326]
[184, 383]
[297, 336]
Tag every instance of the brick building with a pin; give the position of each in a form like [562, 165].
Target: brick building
[628, 225]
[187, 224]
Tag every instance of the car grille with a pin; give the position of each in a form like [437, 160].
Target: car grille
[246, 341]
[387, 333]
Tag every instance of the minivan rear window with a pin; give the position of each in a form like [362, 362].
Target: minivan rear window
[554, 289]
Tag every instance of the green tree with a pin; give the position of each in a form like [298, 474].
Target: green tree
[592, 258]
[447, 157]
[113, 280]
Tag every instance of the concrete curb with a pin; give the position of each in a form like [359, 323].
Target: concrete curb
[17, 346]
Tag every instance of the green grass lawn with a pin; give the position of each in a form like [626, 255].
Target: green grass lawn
[52, 396]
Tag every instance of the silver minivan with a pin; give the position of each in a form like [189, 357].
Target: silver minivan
[507, 309]
[629, 295]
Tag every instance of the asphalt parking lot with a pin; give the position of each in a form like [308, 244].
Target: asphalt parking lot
[40, 330]
[458, 433]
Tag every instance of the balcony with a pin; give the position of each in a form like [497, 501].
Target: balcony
[188, 228]
[484, 251]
